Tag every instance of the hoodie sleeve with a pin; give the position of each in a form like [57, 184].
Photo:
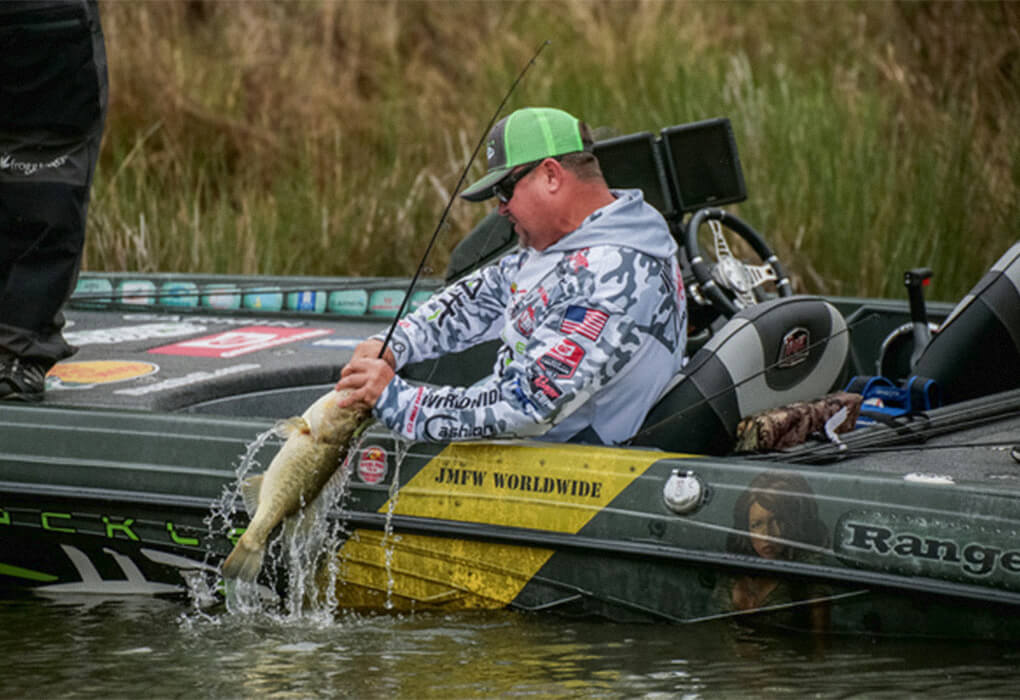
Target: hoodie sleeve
[586, 336]
[468, 312]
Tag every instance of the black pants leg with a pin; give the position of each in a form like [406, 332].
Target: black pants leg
[53, 88]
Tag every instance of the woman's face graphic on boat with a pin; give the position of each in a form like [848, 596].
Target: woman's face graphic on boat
[764, 526]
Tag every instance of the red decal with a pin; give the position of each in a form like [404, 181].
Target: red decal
[413, 415]
[563, 358]
[579, 259]
[372, 465]
[239, 341]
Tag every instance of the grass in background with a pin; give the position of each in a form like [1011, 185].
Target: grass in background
[324, 138]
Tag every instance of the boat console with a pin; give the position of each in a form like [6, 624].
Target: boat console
[685, 168]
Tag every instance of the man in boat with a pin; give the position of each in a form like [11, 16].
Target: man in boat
[590, 308]
[53, 95]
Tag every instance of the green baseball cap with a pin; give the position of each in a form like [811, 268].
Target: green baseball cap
[525, 136]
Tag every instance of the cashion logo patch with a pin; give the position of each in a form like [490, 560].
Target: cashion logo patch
[372, 465]
[82, 375]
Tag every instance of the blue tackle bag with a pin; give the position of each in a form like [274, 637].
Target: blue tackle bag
[884, 400]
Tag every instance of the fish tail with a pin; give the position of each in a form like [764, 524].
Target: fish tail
[245, 561]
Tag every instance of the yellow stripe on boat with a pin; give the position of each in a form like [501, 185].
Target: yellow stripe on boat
[557, 488]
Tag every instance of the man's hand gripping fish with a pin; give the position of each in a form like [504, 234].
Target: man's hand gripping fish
[317, 442]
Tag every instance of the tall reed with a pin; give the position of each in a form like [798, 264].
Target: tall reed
[324, 138]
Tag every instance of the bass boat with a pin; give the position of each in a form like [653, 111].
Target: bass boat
[838, 464]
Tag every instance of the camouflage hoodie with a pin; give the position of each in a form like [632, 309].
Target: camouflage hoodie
[593, 328]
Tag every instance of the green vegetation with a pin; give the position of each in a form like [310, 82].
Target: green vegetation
[325, 137]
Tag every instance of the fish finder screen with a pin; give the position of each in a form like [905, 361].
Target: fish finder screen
[703, 164]
[630, 162]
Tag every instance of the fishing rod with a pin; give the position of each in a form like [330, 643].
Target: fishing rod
[453, 196]
[910, 435]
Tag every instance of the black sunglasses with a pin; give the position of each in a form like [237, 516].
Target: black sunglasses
[504, 189]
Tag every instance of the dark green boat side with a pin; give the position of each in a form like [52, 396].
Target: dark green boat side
[138, 499]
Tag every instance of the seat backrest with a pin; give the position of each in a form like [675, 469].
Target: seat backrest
[976, 351]
[784, 350]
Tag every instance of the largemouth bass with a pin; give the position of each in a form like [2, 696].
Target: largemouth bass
[317, 442]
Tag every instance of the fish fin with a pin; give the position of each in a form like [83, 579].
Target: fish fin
[250, 490]
[287, 427]
[245, 561]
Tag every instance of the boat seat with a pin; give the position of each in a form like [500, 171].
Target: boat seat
[778, 352]
[976, 351]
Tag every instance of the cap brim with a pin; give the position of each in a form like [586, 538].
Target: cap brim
[482, 190]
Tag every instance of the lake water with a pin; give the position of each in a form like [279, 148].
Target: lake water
[150, 648]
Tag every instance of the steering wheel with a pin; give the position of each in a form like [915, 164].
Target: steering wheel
[729, 277]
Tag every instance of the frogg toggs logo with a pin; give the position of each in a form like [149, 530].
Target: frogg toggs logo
[11, 164]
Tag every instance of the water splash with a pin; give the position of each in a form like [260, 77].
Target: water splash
[389, 541]
[299, 559]
[302, 572]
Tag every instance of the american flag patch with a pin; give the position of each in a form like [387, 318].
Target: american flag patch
[584, 321]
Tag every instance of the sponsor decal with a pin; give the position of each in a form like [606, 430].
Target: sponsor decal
[132, 527]
[525, 324]
[514, 482]
[127, 334]
[930, 546]
[578, 260]
[26, 167]
[83, 375]
[460, 400]
[215, 320]
[307, 301]
[412, 415]
[584, 321]
[385, 302]
[241, 341]
[372, 464]
[183, 294]
[96, 290]
[337, 343]
[542, 383]
[348, 302]
[681, 293]
[187, 380]
[142, 292]
[221, 296]
[442, 428]
[794, 347]
[525, 499]
[453, 298]
[263, 299]
[562, 359]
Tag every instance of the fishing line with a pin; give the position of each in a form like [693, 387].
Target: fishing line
[453, 196]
